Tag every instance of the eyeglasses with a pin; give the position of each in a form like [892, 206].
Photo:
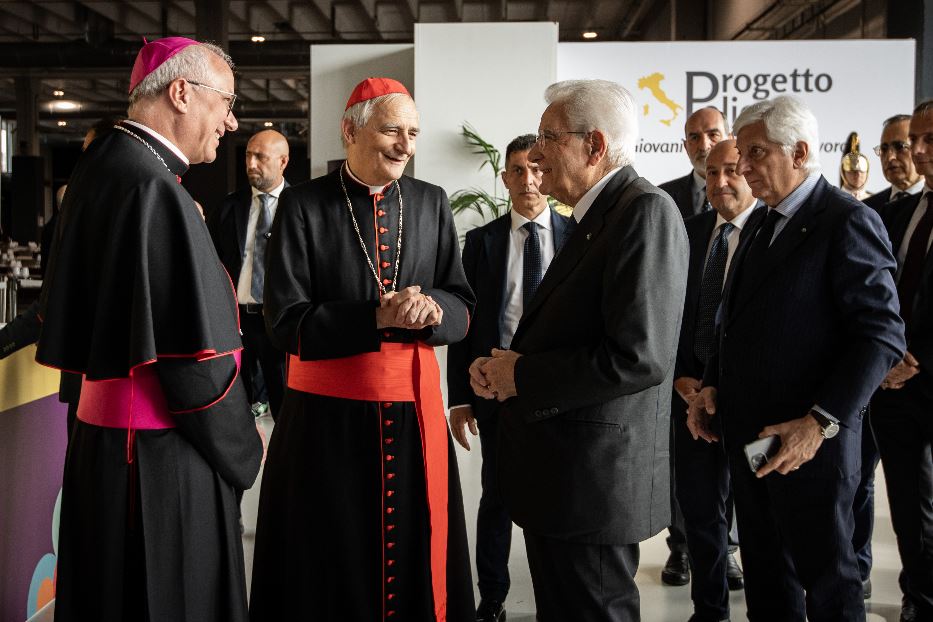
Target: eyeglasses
[549, 135]
[230, 99]
[899, 146]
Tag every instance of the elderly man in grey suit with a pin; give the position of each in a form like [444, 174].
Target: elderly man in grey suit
[585, 390]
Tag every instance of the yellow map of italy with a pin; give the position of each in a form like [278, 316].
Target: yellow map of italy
[653, 84]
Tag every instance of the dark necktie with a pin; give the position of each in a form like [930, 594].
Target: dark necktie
[759, 248]
[898, 196]
[705, 206]
[259, 249]
[711, 293]
[912, 270]
[531, 269]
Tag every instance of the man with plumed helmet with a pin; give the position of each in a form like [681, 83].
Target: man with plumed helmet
[360, 514]
[136, 300]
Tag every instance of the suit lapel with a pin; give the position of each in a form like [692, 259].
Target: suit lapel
[800, 227]
[579, 242]
[559, 227]
[241, 218]
[496, 242]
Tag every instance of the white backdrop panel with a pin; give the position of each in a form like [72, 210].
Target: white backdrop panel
[849, 85]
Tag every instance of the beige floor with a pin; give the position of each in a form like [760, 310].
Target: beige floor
[659, 603]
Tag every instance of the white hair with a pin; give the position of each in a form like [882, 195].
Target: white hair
[787, 121]
[360, 113]
[191, 63]
[600, 105]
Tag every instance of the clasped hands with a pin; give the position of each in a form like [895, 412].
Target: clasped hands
[902, 372]
[408, 308]
[493, 377]
[800, 438]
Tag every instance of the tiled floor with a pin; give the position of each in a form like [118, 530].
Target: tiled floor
[659, 603]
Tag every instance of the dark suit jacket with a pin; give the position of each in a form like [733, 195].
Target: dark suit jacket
[896, 217]
[818, 324]
[681, 190]
[485, 262]
[227, 224]
[699, 230]
[583, 447]
[879, 199]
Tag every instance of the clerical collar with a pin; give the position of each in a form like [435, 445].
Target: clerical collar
[273, 193]
[543, 219]
[162, 139]
[584, 204]
[372, 189]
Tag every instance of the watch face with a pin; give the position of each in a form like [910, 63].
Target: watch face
[831, 430]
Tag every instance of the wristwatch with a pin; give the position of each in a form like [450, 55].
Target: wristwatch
[828, 427]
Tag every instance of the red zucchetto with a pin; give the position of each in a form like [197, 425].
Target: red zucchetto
[371, 88]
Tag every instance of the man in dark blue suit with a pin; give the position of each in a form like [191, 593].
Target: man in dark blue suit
[809, 327]
[240, 228]
[496, 259]
[701, 471]
[901, 411]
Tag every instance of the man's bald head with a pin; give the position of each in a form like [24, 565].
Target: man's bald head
[266, 159]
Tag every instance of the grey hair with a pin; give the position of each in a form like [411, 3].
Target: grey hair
[360, 113]
[898, 118]
[191, 63]
[600, 105]
[787, 121]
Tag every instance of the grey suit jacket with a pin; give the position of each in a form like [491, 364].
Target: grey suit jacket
[583, 448]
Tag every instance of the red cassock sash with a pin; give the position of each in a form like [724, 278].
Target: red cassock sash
[399, 372]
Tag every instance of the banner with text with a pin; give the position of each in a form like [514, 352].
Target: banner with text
[849, 85]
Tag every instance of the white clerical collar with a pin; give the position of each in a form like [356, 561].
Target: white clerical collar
[584, 204]
[543, 219]
[274, 192]
[162, 139]
[740, 220]
[372, 189]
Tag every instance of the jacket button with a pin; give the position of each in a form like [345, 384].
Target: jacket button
[554, 411]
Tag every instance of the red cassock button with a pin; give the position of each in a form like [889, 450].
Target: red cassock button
[385, 264]
[380, 213]
[390, 545]
[382, 229]
[387, 281]
[378, 196]
[390, 475]
[388, 422]
[386, 333]
[389, 510]
[390, 562]
[388, 441]
[390, 527]
[390, 613]
[387, 404]
[390, 458]
[389, 493]
[390, 579]
[390, 596]
[383, 247]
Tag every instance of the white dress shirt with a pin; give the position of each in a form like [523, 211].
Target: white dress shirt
[583, 205]
[732, 240]
[516, 268]
[244, 285]
[915, 189]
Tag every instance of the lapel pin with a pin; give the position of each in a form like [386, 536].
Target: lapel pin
[589, 236]
[804, 230]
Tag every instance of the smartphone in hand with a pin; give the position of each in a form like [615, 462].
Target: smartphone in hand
[761, 450]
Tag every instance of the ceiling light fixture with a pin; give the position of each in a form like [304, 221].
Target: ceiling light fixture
[63, 105]
[58, 93]
[257, 39]
[589, 34]
[62, 123]
[268, 124]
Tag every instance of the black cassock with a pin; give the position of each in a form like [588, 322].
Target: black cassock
[343, 534]
[149, 518]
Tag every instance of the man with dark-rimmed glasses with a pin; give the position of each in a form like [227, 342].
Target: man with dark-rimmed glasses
[896, 164]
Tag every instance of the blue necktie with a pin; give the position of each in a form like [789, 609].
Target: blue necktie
[531, 269]
[259, 248]
[711, 294]
[755, 257]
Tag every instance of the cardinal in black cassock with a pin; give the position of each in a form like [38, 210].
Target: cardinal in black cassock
[137, 301]
[360, 514]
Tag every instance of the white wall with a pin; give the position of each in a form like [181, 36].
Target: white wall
[335, 70]
[492, 75]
